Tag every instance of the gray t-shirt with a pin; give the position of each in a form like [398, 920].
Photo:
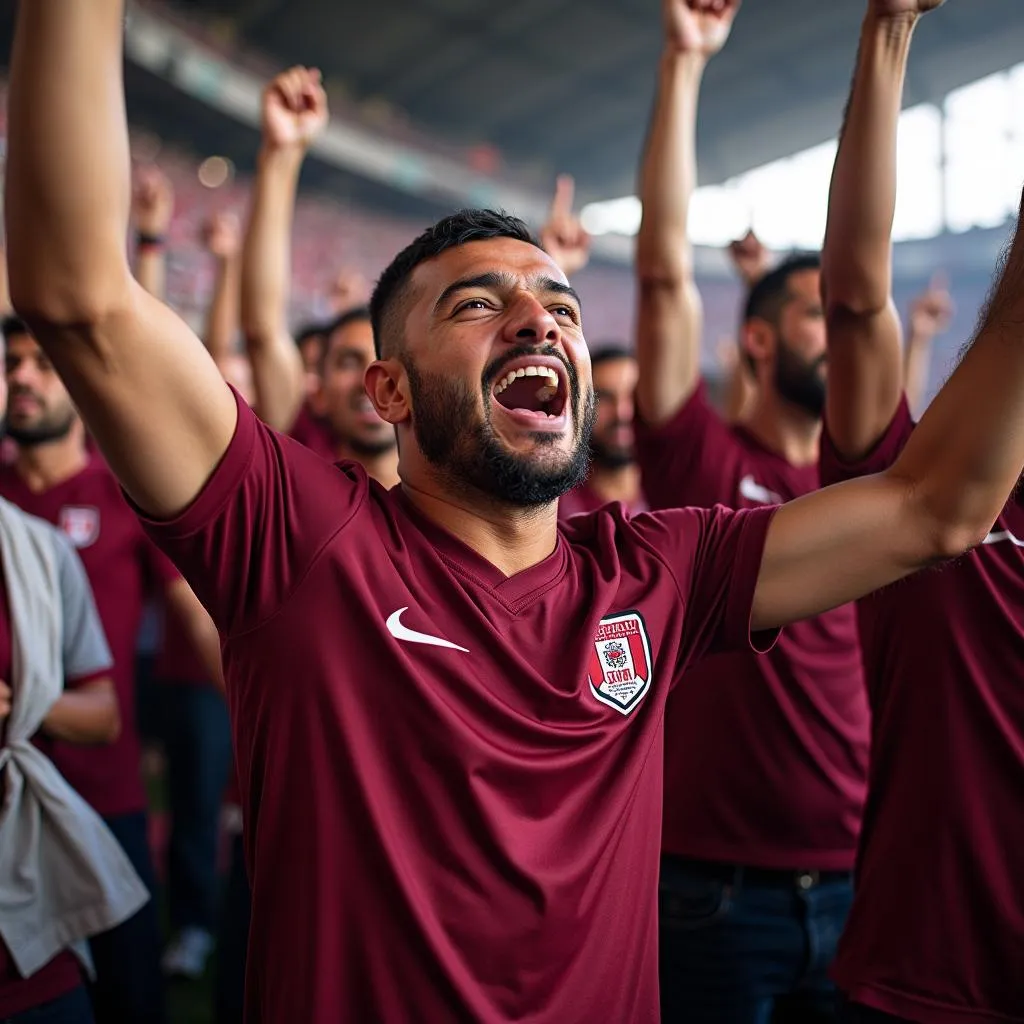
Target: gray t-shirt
[84, 642]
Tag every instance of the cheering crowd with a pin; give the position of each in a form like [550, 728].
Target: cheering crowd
[545, 685]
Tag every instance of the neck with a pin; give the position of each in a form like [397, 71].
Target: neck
[43, 466]
[382, 467]
[512, 539]
[619, 484]
[785, 428]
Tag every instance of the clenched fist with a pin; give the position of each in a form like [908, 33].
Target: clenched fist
[699, 26]
[222, 236]
[152, 201]
[294, 109]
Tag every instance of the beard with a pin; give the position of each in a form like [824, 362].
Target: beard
[799, 380]
[45, 431]
[371, 449]
[468, 452]
[610, 456]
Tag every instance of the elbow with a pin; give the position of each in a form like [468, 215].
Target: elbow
[850, 297]
[110, 731]
[55, 310]
[662, 275]
[954, 540]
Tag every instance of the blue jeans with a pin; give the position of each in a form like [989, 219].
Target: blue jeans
[129, 986]
[71, 1008]
[855, 1013]
[197, 741]
[747, 947]
[233, 941]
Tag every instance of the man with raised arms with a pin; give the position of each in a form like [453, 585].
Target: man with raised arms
[936, 931]
[447, 711]
[765, 757]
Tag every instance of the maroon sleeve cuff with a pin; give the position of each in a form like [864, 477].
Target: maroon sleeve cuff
[737, 634]
[695, 411]
[89, 677]
[834, 469]
[226, 478]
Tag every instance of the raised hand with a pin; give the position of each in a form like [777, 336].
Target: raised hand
[895, 8]
[222, 235]
[932, 311]
[563, 237]
[152, 201]
[750, 258]
[699, 26]
[294, 109]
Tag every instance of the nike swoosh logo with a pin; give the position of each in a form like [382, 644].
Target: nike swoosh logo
[753, 491]
[400, 632]
[995, 538]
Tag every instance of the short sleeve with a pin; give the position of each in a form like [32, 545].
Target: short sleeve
[691, 460]
[85, 649]
[715, 557]
[259, 524]
[834, 470]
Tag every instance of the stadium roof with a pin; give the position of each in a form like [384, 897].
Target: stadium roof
[567, 83]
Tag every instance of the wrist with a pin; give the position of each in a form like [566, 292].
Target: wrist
[286, 157]
[893, 28]
[150, 239]
[692, 61]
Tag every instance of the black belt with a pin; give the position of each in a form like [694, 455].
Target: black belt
[736, 874]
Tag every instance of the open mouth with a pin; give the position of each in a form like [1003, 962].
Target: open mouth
[535, 388]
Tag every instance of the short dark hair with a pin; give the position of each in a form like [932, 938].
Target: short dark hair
[610, 354]
[770, 294]
[307, 332]
[12, 326]
[339, 323]
[449, 233]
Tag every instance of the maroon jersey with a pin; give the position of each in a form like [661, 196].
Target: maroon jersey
[936, 933]
[766, 757]
[312, 432]
[451, 779]
[90, 508]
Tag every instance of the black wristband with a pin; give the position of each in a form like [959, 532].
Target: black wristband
[145, 241]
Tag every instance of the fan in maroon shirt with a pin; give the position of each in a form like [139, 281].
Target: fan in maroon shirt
[766, 757]
[57, 479]
[447, 711]
[936, 932]
[614, 474]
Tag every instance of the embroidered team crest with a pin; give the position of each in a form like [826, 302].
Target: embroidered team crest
[81, 523]
[619, 672]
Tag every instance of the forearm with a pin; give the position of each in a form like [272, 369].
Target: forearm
[266, 275]
[151, 270]
[199, 628]
[68, 185]
[966, 455]
[223, 316]
[87, 715]
[915, 370]
[857, 267]
[670, 315]
[668, 174]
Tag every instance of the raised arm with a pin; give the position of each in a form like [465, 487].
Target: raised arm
[865, 379]
[222, 238]
[938, 500]
[669, 316]
[294, 113]
[152, 210]
[145, 385]
[930, 316]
